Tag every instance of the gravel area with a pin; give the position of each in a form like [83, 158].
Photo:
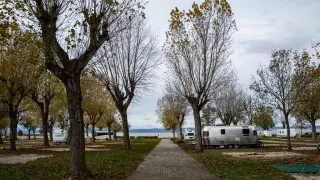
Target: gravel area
[305, 176]
[68, 149]
[22, 158]
[169, 162]
[263, 155]
[94, 146]
[304, 148]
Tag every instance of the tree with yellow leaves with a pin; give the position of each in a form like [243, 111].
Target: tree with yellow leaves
[197, 51]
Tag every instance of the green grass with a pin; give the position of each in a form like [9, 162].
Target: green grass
[228, 167]
[114, 164]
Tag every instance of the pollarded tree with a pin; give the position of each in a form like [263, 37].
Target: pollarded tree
[249, 106]
[109, 117]
[126, 64]
[175, 105]
[116, 127]
[89, 24]
[197, 52]
[208, 115]
[43, 91]
[263, 117]
[308, 107]
[167, 118]
[19, 55]
[229, 104]
[95, 101]
[280, 84]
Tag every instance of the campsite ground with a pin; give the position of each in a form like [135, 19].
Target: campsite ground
[109, 161]
[254, 163]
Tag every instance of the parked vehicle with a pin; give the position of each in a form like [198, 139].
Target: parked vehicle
[282, 133]
[308, 134]
[59, 136]
[102, 135]
[318, 147]
[230, 136]
[189, 134]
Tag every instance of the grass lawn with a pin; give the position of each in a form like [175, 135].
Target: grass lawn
[116, 163]
[228, 167]
[303, 139]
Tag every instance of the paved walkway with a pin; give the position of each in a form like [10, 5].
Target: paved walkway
[167, 161]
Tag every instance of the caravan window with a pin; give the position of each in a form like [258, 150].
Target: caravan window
[205, 133]
[245, 131]
[223, 131]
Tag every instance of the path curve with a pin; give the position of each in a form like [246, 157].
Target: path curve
[168, 161]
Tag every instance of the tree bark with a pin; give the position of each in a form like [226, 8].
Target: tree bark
[93, 133]
[87, 131]
[45, 117]
[34, 133]
[29, 134]
[125, 126]
[76, 132]
[314, 130]
[283, 125]
[1, 141]
[51, 133]
[180, 129]
[174, 133]
[197, 122]
[109, 132]
[13, 126]
[288, 132]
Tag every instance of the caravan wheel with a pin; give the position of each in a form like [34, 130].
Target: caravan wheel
[230, 146]
[237, 146]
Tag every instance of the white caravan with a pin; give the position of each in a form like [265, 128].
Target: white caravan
[230, 136]
[282, 133]
[60, 136]
[189, 134]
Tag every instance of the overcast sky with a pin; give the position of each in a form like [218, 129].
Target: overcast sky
[263, 26]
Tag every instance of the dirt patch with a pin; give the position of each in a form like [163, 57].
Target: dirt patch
[68, 149]
[94, 146]
[22, 158]
[305, 176]
[304, 148]
[263, 155]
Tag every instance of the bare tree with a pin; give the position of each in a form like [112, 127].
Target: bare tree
[229, 104]
[126, 64]
[249, 107]
[280, 83]
[197, 52]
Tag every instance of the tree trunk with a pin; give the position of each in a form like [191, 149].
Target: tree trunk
[76, 130]
[180, 129]
[314, 130]
[125, 126]
[13, 127]
[5, 133]
[29, 134]
[51, 133]
[115, 135]
[87, 131]
[283, 125]
[45, 116]
[34, 133]
[174, 133]
[288, 132]
[1, 141]
[197, 123]
[93, 133]
[109, 132]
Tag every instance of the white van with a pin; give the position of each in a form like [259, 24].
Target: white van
[60, 136]
[189, 134]
[282, 133]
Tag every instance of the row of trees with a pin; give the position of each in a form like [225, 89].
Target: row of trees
[108, 39]
[197, 50]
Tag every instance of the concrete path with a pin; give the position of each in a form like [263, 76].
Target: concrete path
[168, 161]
